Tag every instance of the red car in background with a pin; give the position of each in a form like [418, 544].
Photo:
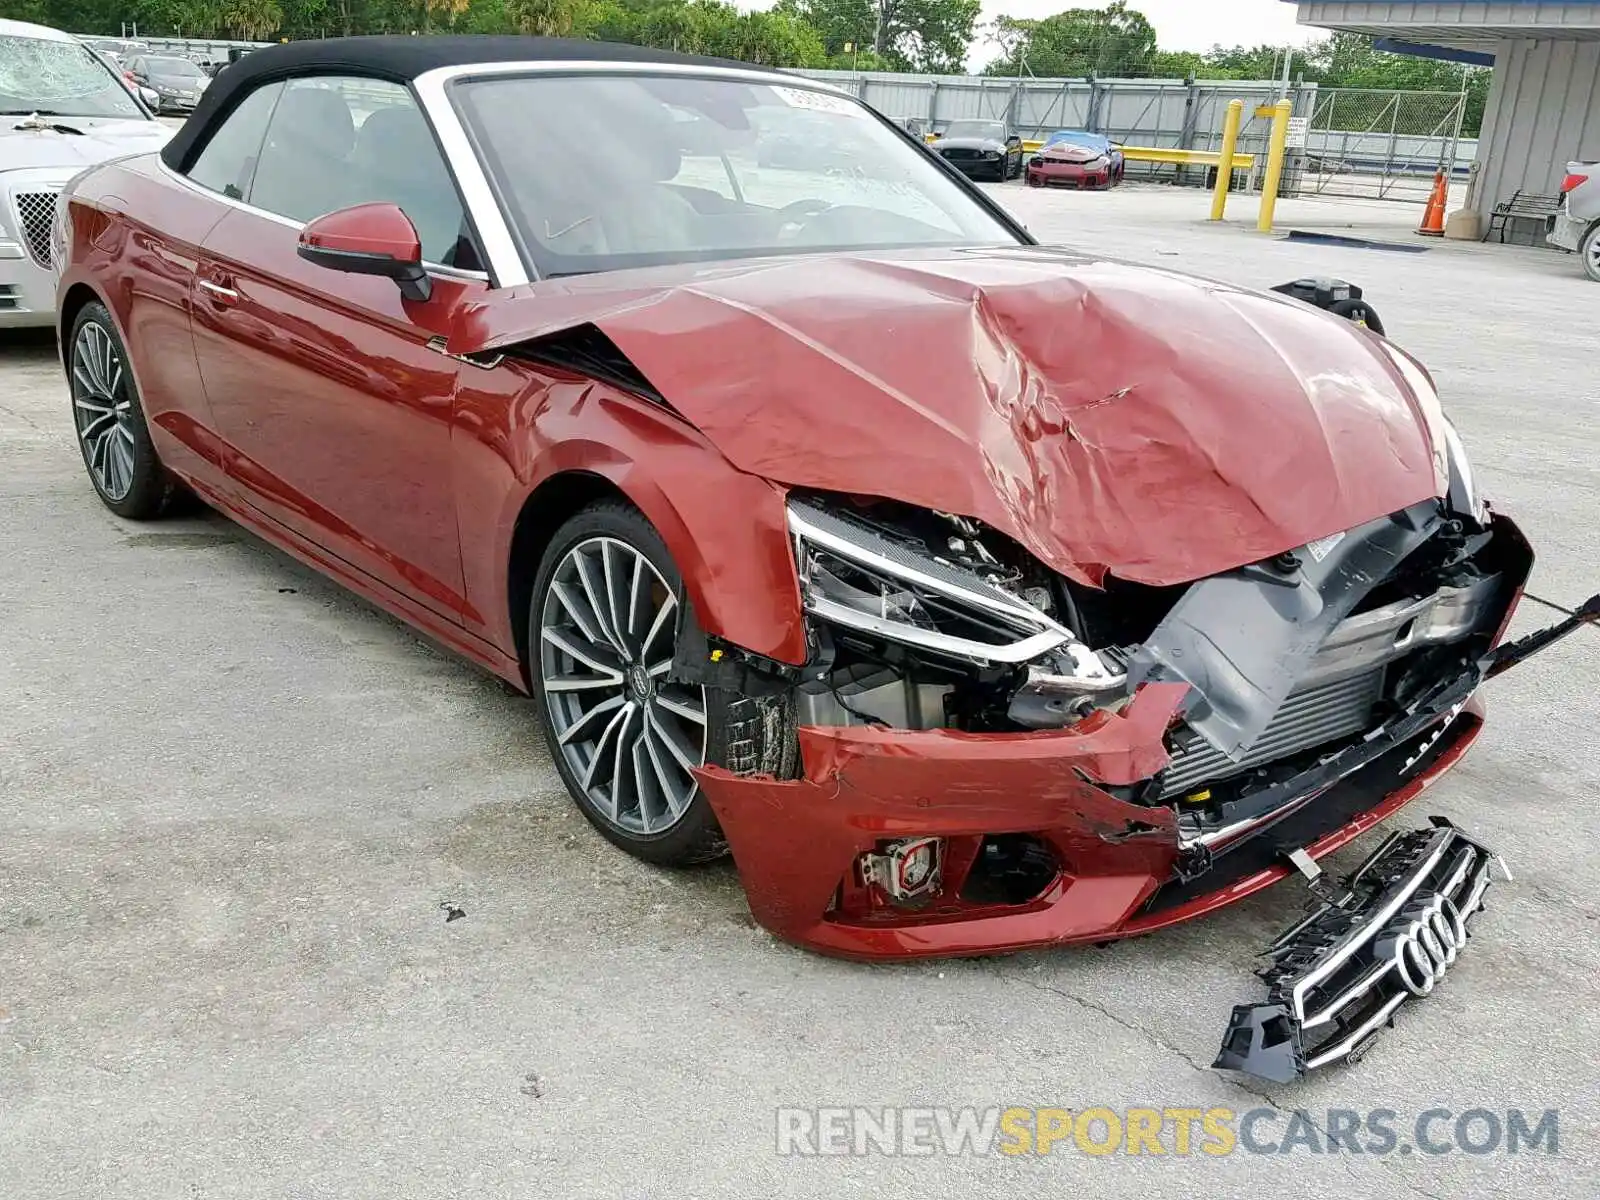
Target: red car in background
[826, 516]
[1076, 158]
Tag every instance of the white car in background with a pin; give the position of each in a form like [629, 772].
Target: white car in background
[62, 109]
[1576, 226]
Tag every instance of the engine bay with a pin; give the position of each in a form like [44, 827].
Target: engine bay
[926, 620]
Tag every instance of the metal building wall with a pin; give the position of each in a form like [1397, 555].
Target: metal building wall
[1448, 21]
[1543, 112]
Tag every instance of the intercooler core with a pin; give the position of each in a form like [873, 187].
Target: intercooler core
[1335, 697]
[1313, 716]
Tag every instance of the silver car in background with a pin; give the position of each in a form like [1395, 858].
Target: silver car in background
[62, 109]
[1576, 226]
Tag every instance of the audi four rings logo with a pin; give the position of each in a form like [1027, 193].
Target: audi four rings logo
[1424, 942]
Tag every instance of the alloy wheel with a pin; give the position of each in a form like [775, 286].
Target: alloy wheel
[102, 410]
[628, 734]
[1591, 252]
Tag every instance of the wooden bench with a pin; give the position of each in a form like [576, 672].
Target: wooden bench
[1523, 206]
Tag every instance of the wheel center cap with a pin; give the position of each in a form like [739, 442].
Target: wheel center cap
[639, 681]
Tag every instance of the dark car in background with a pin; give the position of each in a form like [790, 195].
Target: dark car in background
[177, 82]
[981, 149]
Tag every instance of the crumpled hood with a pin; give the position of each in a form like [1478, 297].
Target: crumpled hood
[1072, 154]
[1107, 416]
[99, 141]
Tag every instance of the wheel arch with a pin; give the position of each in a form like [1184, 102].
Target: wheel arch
[727, 537]
[79, 296]
[550, 505]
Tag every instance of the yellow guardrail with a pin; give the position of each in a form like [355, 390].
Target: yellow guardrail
[1185, 158]
[1154, 154]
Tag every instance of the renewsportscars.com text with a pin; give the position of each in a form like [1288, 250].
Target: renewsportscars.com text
[1213, 1132]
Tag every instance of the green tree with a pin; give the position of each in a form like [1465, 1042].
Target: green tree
[1111, 41]
[907, 35]
[546, 18]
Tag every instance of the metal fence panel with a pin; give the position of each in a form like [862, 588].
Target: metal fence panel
[1062, 104]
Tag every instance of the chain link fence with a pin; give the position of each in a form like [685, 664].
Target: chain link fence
[1383, 145]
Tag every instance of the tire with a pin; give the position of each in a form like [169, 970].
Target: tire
[1589, 252]
[653, 726]
[109, 420]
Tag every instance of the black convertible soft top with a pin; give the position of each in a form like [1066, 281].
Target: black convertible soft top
[400, 59]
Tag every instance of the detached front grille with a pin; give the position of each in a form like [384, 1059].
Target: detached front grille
[35, 212]
[1389, 935]
[1323, 713]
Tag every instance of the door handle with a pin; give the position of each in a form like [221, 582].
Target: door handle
[219, 295]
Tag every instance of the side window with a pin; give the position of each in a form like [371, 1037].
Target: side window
[228, 159]
[335, 141]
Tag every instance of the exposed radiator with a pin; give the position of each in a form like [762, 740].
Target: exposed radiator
[1322, 713]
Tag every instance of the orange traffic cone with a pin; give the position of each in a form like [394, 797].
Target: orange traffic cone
[1433, 216]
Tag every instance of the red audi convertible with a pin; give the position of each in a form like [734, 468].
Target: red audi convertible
[975, 594]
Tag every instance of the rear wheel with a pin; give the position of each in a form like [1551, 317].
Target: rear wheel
[108, 417]
[626, 734]
[1589, 251]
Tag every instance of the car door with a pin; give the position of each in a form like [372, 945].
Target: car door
[161, 256]
[336, 409]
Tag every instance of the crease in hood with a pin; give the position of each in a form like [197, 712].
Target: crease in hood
[1111, 418]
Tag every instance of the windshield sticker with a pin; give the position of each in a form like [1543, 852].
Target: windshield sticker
[818, 101]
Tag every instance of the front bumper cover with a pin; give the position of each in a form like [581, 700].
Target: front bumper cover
[1073, 174]
[1118, 868]
[1388, 936]
[1123, 868]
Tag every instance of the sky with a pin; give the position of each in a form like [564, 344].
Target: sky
[1182, 24]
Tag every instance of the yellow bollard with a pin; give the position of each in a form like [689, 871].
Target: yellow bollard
[1230, 140]
[1269, 186]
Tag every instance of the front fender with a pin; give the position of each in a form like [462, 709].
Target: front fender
[520, 426]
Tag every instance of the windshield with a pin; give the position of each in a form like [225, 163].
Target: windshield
[172, 66]
[976, 129]
[60, 79]
[1074, 137]
[639, 170]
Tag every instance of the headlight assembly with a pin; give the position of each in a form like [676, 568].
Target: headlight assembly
[854, 577]
[1463, 494]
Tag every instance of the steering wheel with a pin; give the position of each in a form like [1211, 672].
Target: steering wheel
[793, 216]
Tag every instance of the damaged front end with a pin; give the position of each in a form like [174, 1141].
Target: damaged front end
[994, 757]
